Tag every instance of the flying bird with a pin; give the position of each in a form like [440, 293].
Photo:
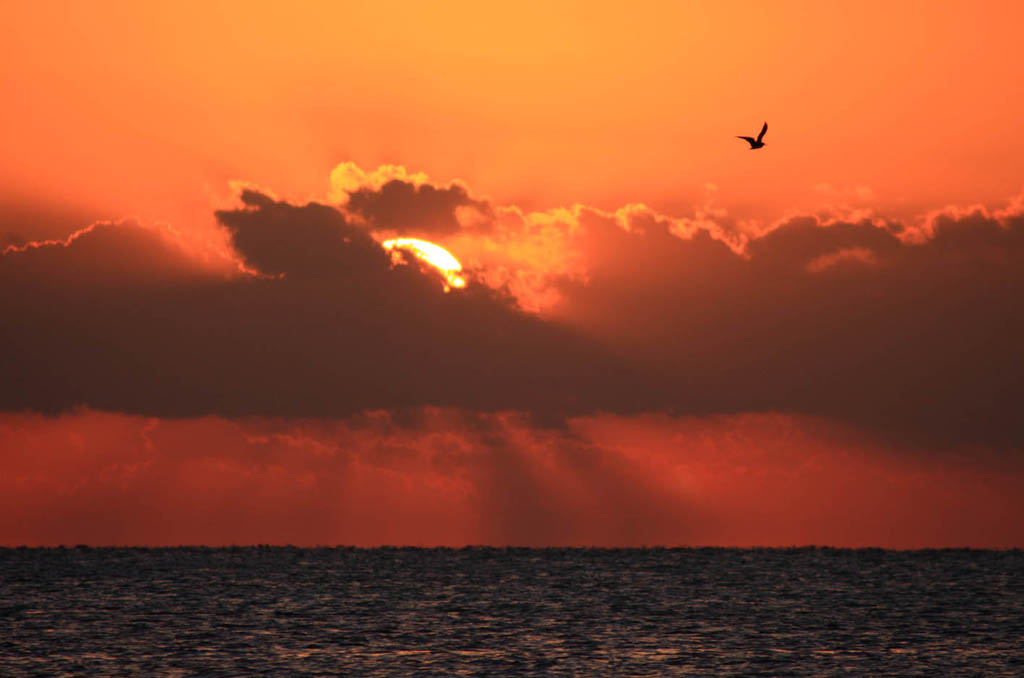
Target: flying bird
[756, 143]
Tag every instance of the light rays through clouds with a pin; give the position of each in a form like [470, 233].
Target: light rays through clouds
[446, 477]
[600, 377]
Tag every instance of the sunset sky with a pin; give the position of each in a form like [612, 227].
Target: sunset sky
[664, 337]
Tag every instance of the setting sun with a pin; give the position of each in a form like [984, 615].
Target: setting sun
[435, 255]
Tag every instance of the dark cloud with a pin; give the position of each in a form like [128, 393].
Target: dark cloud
[841, 319]
[803, 239]
[410, 208]
[844, 320]
[101, 255]
[114, 319]
[23, 219]
[311, 241]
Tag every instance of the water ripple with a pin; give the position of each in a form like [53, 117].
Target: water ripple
[478, 611]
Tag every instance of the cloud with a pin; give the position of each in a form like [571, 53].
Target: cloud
[390, 199]
[854, 256]
[24, 219]
[119, 318]
[448, 477]
[421, 210]
[907, 329]
[910, 331]
[835, 319]
[309, 241]
[104, 253]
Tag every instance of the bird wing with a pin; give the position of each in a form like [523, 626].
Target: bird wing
[749, 140]
[761, 135]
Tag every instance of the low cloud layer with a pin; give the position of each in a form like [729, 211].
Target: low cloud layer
[908, 331]
[838, 319]
[446, 477]
[120, 318]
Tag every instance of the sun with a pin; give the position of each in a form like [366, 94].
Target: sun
[435, 255]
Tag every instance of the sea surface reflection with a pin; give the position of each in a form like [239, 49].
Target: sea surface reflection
[483, 611]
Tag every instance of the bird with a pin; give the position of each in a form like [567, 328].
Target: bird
[756, 143]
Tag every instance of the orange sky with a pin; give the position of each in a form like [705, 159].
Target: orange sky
[540, 105]
[629, 259]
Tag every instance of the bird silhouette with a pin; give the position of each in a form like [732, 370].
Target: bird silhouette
[756, 143]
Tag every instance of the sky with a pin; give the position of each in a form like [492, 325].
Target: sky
[664, 338]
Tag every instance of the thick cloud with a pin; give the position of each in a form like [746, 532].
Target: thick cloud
[910, 330]
[839, 319]
[414, 208]
[116, 318]
[23, 220]
[313, 241]
[911, 333]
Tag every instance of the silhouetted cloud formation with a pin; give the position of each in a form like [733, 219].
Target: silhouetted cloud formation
[311, 241]
[908, 333]
[116, 318]
[838, 319]
[422, 208]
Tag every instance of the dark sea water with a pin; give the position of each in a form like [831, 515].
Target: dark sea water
[483, 612]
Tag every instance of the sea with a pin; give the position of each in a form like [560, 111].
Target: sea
[285, 611]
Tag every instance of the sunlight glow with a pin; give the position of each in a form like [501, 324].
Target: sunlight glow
[435, 255]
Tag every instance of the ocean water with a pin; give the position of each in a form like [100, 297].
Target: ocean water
[485, 612]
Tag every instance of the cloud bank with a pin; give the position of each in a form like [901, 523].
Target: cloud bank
[119, 318]
[909, 331]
